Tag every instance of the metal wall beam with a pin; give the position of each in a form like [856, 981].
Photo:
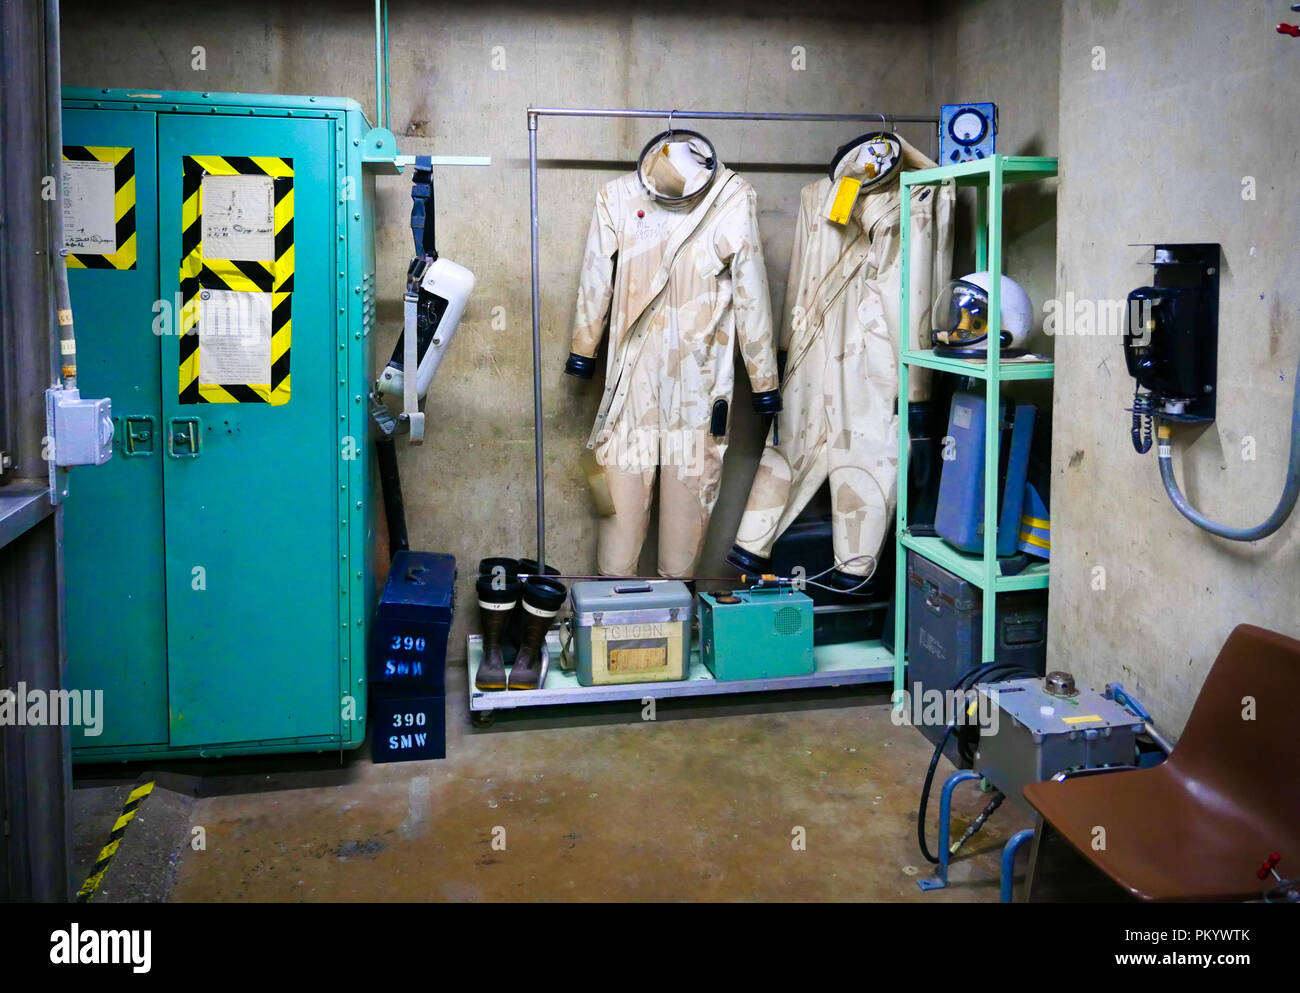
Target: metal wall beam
[35, 769]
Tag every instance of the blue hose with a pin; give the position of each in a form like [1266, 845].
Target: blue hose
[1280, 513]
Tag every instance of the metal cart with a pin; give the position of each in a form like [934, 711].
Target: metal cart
[847, 664]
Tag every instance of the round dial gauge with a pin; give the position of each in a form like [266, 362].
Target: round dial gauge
[968, 126]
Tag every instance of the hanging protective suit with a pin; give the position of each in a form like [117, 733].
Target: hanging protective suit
[840, 336]
[673, 259]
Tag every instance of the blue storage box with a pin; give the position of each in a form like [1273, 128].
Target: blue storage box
[406, 727]
[408, 643]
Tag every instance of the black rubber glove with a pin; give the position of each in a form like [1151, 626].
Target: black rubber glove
[580, 366]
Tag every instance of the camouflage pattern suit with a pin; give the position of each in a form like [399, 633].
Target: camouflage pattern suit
[840, 330]
[682, 283]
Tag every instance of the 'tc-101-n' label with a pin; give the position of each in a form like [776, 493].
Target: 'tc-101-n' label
[634, 632]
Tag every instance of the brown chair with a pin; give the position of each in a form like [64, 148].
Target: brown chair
[1200, 825]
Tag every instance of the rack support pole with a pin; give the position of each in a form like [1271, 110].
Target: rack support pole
[537, 344]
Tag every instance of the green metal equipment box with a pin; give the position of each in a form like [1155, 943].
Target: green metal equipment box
[218, 578]
[757, 633]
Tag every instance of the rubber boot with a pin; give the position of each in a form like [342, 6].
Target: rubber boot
[531, 567]
[497, 597]
[542, 599]
[527, 567]
[501, 569]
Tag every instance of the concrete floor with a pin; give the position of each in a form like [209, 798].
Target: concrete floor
[700, 805]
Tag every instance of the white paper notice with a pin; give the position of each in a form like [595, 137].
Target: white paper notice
[234, 338]
[88, 225]
[239, 218]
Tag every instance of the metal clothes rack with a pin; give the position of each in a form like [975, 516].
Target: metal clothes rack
[888, 121]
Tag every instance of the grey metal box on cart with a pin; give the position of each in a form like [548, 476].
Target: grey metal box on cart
[1039, 734]
[631, 631]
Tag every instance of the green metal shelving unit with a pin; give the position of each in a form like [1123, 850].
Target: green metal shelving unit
[988, 176]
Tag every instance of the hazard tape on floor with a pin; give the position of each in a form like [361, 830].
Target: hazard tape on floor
[91, 885]
[199, 273]
[123, 162]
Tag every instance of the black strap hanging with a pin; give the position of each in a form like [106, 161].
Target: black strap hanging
[422, 207]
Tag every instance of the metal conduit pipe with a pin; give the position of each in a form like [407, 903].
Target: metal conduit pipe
[1285, 505]
[54, 165]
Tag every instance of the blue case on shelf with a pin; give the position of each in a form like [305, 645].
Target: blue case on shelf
[959, 514]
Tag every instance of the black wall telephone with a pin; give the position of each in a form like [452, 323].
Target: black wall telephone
[1171, 347]
[1171, 339]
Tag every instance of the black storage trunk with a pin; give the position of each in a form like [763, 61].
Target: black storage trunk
[405, 727]
[944, 628]
[408, 642]
[836, 624]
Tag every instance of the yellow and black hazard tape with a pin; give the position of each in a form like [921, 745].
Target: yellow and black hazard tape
[123, 162]
[91, 886]
[198, 273]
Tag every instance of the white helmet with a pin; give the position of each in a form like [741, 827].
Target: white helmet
[961, 312]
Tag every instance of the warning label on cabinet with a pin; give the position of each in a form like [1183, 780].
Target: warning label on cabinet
[97, 199]
[239, 218]
[89, 223]
[234, 337]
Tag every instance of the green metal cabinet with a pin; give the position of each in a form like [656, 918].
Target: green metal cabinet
[218, 579]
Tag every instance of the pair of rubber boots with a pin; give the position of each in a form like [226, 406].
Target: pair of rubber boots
[519, 608]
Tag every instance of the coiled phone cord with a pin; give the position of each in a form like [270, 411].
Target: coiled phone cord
[1141, 422]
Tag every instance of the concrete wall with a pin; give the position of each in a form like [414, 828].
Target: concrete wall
[462, 77]
[1156, 146]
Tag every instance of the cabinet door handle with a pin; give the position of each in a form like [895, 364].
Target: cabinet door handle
[138, 436]
[183, 438]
